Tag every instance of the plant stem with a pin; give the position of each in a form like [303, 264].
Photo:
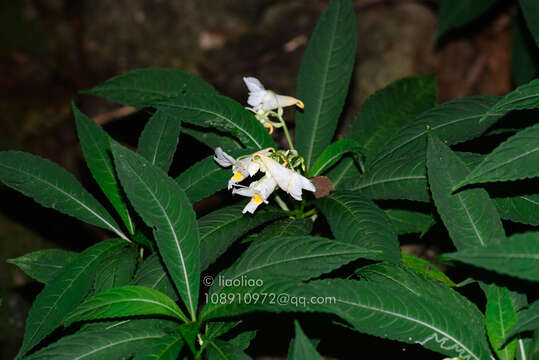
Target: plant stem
[281, 203]
[286, 133]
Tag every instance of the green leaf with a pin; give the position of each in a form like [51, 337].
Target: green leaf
[295, 257]
[128, 300]
[243, 340]
[159, 140]
[524, 53]
[356, 220]
[221, 350]
[221, 113]
[500, 316]
[381, 116]
[324, 77]
[456, 13]
[523, 97]
[220, 228]
[163, 205]
[53, 187]
[410, 222]
[392, 303]
[189, 333]
[100, 344]
[519, 208]
[141, 88]
[390, 109]
[212, 139]
[95, 144]
[215, 329]
[454, 122]
[152, 274]
[399, 177]
[527, 320]
[514, 159]
[206, 177]
[165, 348]
[44, 265]
[61, 296]
[302, 347]
[516, 256]
[282, 228]
[469, 216]
[424, 267]
[531, 14]
[116, 270]
[333, 153]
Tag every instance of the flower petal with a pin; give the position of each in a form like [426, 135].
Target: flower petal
[253, 84]
[222, 158]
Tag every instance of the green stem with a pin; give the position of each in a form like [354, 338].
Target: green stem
[281, 203]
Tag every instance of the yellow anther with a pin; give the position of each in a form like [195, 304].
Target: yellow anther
[299, 104]
[257, 199]
[237, 176]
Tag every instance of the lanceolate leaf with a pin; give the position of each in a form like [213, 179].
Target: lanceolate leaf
[163, 205]
[53, 187]
[212, 138]
[206, 177]
[469, 216]
[297, 257]
[302, 347]
[397, 304]
[141, 88]
[221, 350]
[165, 348]
[117, 269]
[514, 159]
[424, 267]
[221, 113]
[527, 319]
[100, 344]
[380, 118]
[152, 274]
[456, 13]
[519, 208]
[62, 295]
[390, 109]
[524, 97]
[128, 300]
[516, 256]
[44, 265]
[500, 317]
[333, 153]
[409, 222]
[159, 139]
[399, 177]
[531, 14]
[356, 220]
[220, 228]
[324, 77]
[95, 144]
[454, 121]
[282, 228]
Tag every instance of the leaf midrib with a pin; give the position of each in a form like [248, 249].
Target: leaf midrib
[323, 84]
[176, 240]
[417, 321]
[117, 231]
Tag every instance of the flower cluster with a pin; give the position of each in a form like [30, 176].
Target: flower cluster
[275, 175]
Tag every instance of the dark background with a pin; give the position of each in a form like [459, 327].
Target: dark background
[51, 49]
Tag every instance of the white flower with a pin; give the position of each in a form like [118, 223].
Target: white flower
[259, 192]
[240, 168]
[262, 99]
[288, 180]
